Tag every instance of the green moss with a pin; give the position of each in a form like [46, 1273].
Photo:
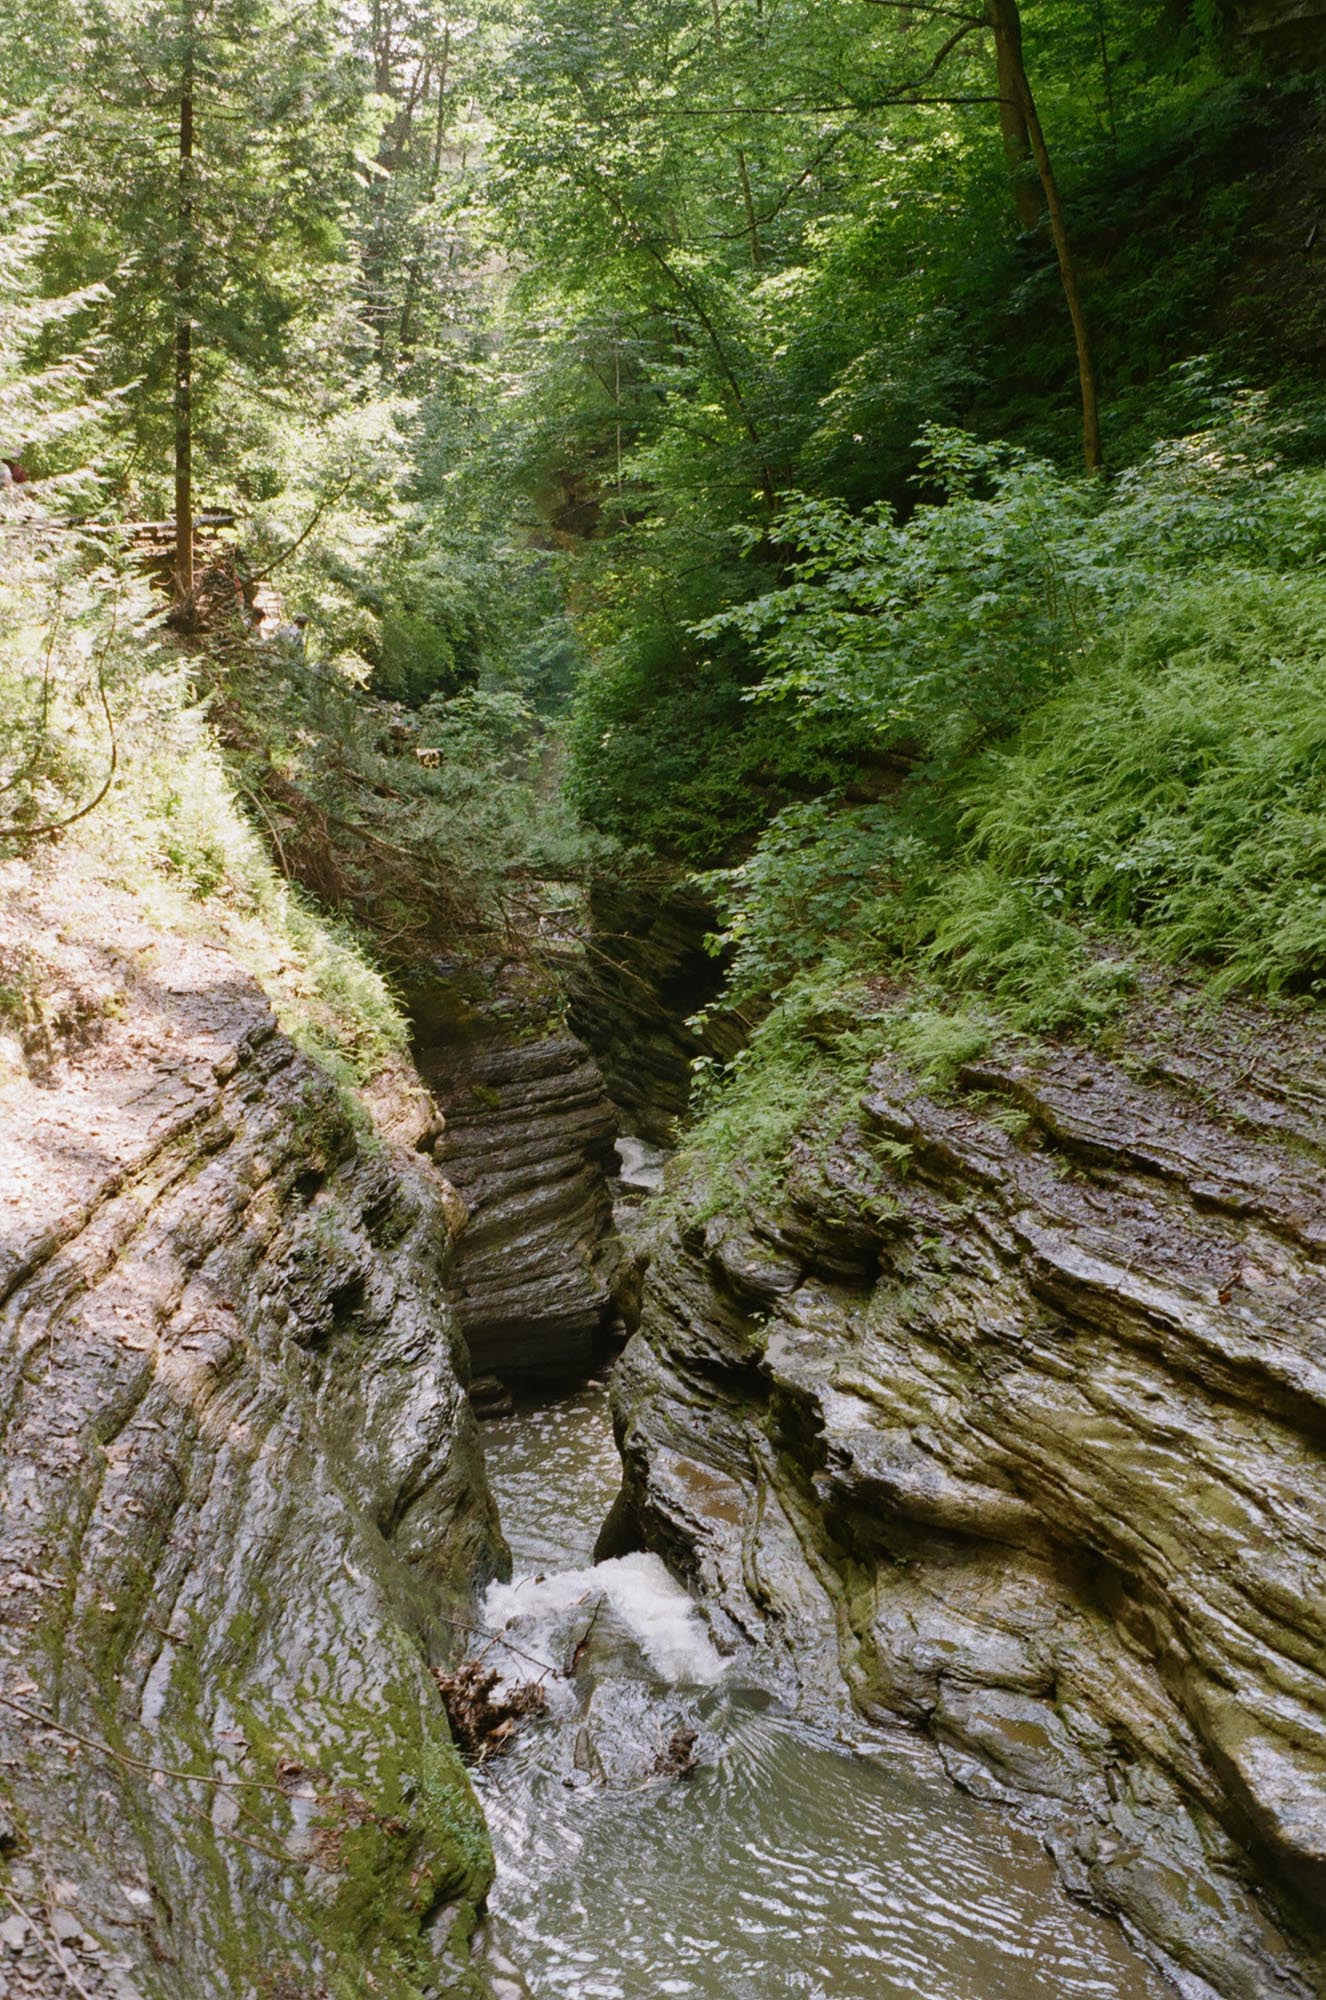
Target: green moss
[400, 1829]
[404, 1836]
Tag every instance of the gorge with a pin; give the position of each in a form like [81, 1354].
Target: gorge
[662, 952]
[944, 1438]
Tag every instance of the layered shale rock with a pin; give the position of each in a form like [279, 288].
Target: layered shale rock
[1017, 1403]
[241, 1496]
[529, 1145]
[1289, 30]
[644, 973]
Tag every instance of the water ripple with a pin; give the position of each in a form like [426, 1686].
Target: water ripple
[786, 1868]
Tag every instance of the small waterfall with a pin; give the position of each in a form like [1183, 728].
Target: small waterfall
[628, 1605]
[669, 1829]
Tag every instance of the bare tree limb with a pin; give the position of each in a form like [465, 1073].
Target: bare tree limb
[322, 508]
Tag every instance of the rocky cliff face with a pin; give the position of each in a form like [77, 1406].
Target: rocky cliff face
[1017, 1404]
[529, 1144]
[241, 1498]
[1287, 31]
[644, 973]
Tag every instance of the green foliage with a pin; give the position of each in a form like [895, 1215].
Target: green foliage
[449, 835]
[429, 633]
[66, 634]
[816, 881]
[937, 632]
[793, 1084]
[793, 1093]
[936, 1043]
[173, 832]
[615, 387]
[753, 254]
[246, 241]
[976, 930]
[666, 754]
[1165, 801]
[1179, 789]
[103, 739]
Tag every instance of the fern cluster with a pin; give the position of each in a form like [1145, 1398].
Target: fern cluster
[1114, 703]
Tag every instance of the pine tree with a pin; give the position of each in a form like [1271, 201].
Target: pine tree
[208, 159]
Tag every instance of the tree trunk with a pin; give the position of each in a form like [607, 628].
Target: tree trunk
[414, 272]
[743, 168]
[1013, 120]
[1007, 24]
[184, 282]
[1106, 72]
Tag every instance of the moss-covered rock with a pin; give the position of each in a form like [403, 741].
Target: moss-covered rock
[242, 1498]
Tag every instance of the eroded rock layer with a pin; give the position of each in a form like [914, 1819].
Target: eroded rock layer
[529, 1145]
[644, 974]
[241, 1496]
[1019, 1401]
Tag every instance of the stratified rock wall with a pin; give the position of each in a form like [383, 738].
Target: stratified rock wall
[1021, 1401]
[529, 1145]
[644, 973]
[240, 1500]
[1287, 31]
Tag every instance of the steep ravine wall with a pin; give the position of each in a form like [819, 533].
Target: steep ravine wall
[643, 974]
[528, 1142]
[1285, 31]
[1017, 1403]
[241, 1495]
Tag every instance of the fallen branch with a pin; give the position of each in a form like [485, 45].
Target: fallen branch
[483, 1713]
[487, 1632]
[52, 1952]
[578, 1650]
[138, 1763]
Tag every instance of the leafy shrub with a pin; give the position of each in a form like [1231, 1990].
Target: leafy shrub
[1180, 788]
[667, 752]
[1164, 797]
[431, 632]
[812, 884]
[938, 632]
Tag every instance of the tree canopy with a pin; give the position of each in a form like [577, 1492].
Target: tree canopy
[743, 412]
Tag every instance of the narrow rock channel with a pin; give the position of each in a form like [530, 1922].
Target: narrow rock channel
[797, 1858]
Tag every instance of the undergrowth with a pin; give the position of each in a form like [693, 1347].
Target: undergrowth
[108, 756]
[169, 828]
[433, 831]
[1114, 706]
[793, 1092]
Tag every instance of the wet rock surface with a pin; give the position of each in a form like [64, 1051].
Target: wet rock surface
[529, 1146]
[1016, 1406]
[240, 1481]
[672, 1827]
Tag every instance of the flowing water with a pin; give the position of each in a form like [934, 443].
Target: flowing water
[786, 1866]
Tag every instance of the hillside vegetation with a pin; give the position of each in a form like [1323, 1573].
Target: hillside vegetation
[869, 458]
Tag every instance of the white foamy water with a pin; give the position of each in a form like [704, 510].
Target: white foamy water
[784, 1868]
[632, 1598]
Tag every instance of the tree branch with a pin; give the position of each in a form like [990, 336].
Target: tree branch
[322, 508]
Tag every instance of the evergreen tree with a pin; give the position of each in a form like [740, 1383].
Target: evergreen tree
[206, 165]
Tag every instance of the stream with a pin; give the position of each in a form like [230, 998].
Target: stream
[787, 1863]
